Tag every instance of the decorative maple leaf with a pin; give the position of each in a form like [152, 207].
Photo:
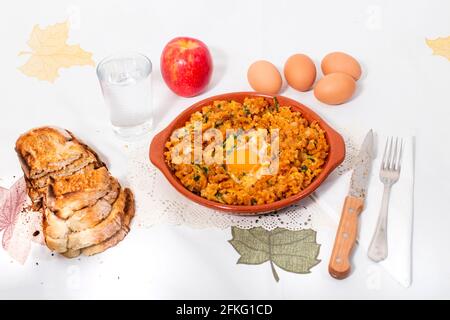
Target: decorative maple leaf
[50, 52]
[440, 46]
[293, 251]
[11, 203]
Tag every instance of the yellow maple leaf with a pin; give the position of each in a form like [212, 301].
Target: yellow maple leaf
[50, 52]
[440, 46]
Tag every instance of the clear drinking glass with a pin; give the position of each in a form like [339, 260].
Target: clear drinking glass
[127, 88]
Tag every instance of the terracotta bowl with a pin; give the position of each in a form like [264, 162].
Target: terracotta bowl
[335, 157]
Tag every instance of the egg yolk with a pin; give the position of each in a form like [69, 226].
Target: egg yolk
[245, 161]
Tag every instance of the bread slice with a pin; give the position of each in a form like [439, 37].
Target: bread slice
[119, 235]
[54, 226]
[55, 232]
[38, 188]
[86, 181]
[47, 149]
[112, 195]
[75, 192]
[89, 217]
[35, 196]
[102, 231]
[46, 180]
[64, 206]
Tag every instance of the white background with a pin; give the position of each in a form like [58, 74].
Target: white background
[403, 87]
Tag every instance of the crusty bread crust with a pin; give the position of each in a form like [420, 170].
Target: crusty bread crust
[89, 217]
[57, 245]
[65, 205]
[102, 231]
[71, 253]
[119, 235]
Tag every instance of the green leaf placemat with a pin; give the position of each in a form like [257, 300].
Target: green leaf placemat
[293, 251]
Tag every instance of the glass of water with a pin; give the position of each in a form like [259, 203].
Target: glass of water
[126, 85]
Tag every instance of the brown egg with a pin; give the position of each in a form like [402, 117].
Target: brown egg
[264, 77]
[335, 88]
[300, 72]
[341, 62]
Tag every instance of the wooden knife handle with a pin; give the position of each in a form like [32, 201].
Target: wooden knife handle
[340, 266]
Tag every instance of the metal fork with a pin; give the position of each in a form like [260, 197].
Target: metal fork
[389, 174]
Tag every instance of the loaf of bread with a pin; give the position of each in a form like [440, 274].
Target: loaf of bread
[85, 210]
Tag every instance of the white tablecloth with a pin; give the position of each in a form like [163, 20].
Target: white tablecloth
[403, 87]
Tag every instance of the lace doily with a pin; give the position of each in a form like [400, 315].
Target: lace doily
[157, 202]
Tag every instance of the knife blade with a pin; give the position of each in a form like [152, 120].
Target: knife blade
[340, 266]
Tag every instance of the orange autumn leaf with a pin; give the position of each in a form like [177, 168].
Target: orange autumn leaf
[50, 52]
[440, 46]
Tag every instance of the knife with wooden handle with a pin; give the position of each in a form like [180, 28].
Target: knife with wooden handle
[340, 265]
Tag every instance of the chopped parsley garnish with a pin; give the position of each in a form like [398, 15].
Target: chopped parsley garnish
[276, 104]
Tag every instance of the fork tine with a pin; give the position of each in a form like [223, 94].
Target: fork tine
[399, 163]
[389, 157]
[394, 155]
[383, 161]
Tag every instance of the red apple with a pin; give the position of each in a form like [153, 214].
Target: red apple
[186, 66]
